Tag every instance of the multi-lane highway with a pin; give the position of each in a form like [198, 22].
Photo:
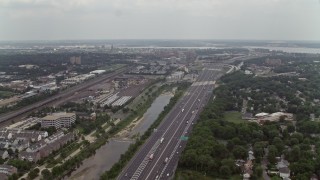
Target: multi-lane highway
[158, 157]
[61, 95]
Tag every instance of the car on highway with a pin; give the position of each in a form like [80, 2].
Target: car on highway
[166, 160]
[182, 110]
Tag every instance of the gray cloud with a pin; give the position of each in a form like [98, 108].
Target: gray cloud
[158, 19]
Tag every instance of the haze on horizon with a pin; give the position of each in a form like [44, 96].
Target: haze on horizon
[160, 19]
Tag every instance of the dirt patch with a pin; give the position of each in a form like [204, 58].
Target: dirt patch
[125, 133]
[81, 173]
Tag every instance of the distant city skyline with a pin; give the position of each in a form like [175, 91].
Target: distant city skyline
[160, 19]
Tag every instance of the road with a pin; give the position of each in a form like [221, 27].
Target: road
[64, 94]
[174, 129]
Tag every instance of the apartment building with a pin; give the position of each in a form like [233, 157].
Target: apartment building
[58, 120]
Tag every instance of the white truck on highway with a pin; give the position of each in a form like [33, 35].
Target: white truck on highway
[161, 140]
[182, 110]
[151, 156]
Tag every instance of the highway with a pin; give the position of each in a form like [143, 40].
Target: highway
[159, 155]
[66, 93]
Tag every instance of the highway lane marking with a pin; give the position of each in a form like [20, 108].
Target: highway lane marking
[179, 140]
[178, 144]
[145, 161]
[203, 83]
[173, 134]
[143, 164]
[159, 131]
[170, 124]
[204, 74]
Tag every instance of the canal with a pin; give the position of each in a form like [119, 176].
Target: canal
[110, 153]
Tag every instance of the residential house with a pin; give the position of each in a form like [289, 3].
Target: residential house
[3, 176]
[4, 154]
[246, 176]
[282, 164]
[7, 134]
[6, 170]
[30, 156]
[45, 147]
[36, 147]
[251, 156]
[284, 172]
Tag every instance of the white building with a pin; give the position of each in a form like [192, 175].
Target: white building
[58, 120]
[77, 79]
[175, 76]
[247, 72]
[121, 101]
[98, 72]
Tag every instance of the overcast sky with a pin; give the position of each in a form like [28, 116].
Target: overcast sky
[160, 19]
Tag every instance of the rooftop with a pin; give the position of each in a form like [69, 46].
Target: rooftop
[56, 116]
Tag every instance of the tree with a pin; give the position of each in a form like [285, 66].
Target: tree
[258, 148]
[36, 170]
[291, 128]
[46, 174]
[272, 154]
[14, 176]
[302, 167]
[258, 171]
[21, 165]
[294, 141]
[239, 152]
[298, 136]
[225, 171]
[295, 154]
[33, 174]
[278, 144]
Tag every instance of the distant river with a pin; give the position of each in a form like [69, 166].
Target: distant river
[110, 153]
[288, 49]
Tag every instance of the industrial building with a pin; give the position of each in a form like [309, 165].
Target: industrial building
[121, 101]
[97, 72]
[77, 79]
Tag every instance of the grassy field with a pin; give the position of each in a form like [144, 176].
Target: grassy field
[233, 116]
[5, 94]
[190, 175]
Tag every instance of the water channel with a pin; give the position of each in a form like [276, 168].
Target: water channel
[109, 154]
